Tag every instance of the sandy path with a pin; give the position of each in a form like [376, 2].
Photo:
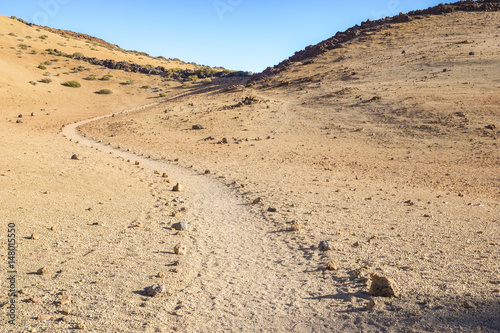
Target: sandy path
[244, 273]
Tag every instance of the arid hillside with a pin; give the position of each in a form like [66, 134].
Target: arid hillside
[275, 204]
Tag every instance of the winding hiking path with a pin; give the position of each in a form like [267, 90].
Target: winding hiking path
[248, 279]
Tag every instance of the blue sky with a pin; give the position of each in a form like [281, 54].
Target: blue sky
[236, 34]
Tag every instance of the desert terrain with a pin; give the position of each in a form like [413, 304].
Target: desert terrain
[385, 147]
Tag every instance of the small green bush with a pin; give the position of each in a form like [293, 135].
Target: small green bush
[33, 83]
[193, 78]
[43, 37]
[80, 69]
[23, 46]
[33, 52]
[12, 34]
[163, 95]
[46, 80]
[146, 87]
[91, 77]
[106, 77]
[28, 37]
[207, 81]
[72, 84]
[105, 92]
[42, 66]
[46, 74]
[48, 63]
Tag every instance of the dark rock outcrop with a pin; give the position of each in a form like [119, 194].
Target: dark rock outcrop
[369, 26]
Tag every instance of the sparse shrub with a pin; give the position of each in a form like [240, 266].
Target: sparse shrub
[193, 78]
[12, 34]
[186, 85]
[23, 46]
[38, 30]
[46, 74]
[72, 84]
[33, 83]
[128, 82]
[91, 77]
[46, 80]
[80, 69]
[105, 92]
[48, 63]
[28, 37]
[163, 95]
[77, 55]
[207, 81]
[43, 37]
[42, 66]
[146, 87]
[33, 52]
[106, 77]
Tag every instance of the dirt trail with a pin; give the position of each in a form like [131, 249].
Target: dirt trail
[246, 274]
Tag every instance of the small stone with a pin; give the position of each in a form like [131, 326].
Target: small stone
[198, 127]
[178, 200]
[178, 188]
[224, 140]
[403, 52]
[357, 244]
[181, 226]
[20, 116]
[54, 229]
[331, 266]
[19, 121]
[469, 305]
[75, 157]
[207, 172]
[383, 287]
[44, 317]
[65, 300]
[325, 246]
[372, 305]
[175, 214]
[165, 175]
[43, 271]
[295, 226]
[155, 289]
[80, 326]
[66, 312]
[272, 210]
[66, 319]
[137, 163]
[257, 201]
[180, 249]
[160, 275]
[472, 53]
[156, 172]
[35, 299]
[34, 236]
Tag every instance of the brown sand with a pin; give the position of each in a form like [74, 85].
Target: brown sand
[384, 154]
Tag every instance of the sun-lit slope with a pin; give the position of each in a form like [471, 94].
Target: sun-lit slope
[71, 45]
[25, 63]
[415, 103]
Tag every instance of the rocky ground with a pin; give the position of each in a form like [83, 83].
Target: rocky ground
[377, 159]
